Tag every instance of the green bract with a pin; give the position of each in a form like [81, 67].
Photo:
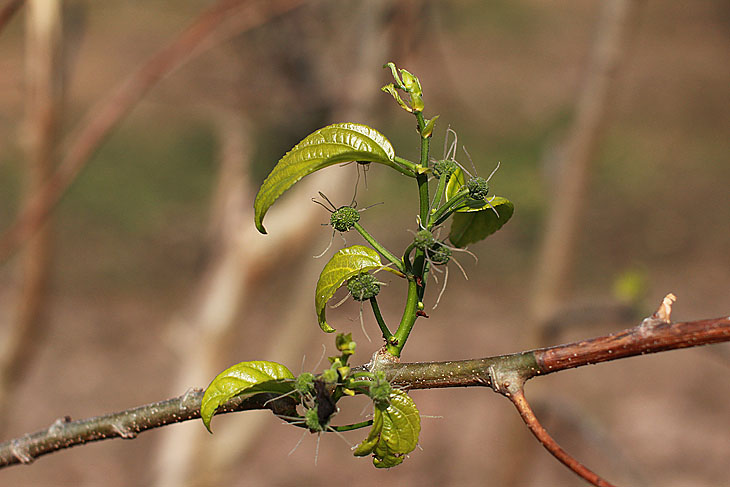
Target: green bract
[394, 433]
[247, 377]
[346, 263]
[341, 142]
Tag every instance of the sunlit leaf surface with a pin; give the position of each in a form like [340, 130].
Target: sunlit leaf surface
[246, 377]
[341, 142]
[394, 432]
[475, 224]
[346, 263]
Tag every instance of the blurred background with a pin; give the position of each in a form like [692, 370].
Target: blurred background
[610, 120]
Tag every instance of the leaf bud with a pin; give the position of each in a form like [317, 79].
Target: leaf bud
[423, 240]
[438, 254]
[444, 168]
[344, 218]
[478, 188]
[363, 287]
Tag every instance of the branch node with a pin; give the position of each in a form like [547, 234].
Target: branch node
[661, 316]
[19, 449]
[493, 379]
[58, 425]
[124, 432]
[184, 398]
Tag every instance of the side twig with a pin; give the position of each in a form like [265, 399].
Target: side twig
[528, 416]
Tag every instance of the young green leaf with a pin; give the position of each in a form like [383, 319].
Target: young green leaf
[341, 142]
[346, 263]
[470, 225]
[394, 432]
[456, 181]
[247, 377]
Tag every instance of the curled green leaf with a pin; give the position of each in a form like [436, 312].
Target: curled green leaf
[477, 219]
[471, 225]
[390, 89]
[340, 142]
[394, 432]
[247, 377]
[346, 263]
[456, 181]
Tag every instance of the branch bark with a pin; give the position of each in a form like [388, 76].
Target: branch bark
[499, 372]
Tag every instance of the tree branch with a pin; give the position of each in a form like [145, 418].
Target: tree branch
[528, 416]
[499, 372]
[64, 433]
[101, 119]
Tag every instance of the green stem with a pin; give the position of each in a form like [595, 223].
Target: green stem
[409, 170]
[440, 190]
[448, 208]
[379, 318]
[408, 164]
[354, 426]
[421, 177]
[377, 246]
[415, 292]
[407, 258]
[398, 341]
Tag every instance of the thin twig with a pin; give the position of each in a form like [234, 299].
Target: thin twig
[106, 114]
[528, 416]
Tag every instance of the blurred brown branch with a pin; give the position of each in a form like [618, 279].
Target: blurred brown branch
[556, 258]
[102, 118]
[8, 10]
[43, 101]
[501, 373]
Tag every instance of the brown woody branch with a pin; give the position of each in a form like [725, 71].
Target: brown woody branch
[101, 119]
[64, 433]
[528, 416]
[501, 373]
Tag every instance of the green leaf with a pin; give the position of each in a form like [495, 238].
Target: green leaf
[456, 181]
[247, 377]
[368, 444]
[470, 225]
[346, 263]
[341, 142]
[394, 432]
